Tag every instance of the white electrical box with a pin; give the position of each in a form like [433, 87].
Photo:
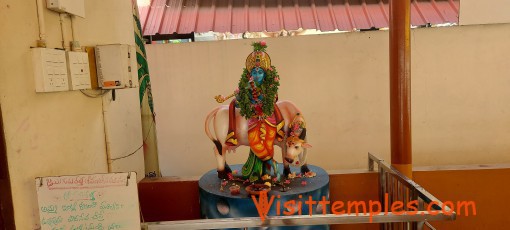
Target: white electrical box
[74, 7]
[50, 70]
[116, 66]
[78, 69]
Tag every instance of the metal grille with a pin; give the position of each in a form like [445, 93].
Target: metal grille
[396, 187]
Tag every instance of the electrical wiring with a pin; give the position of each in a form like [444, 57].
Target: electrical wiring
[145, 139]
[103, 92]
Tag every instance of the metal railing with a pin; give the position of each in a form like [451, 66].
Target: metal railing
[397, 187]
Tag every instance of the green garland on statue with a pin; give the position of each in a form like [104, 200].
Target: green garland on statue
[259, 46]
[269, 91]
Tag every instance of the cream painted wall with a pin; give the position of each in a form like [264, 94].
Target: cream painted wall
[474, 12]
[460, 96]
[124, 131]
[61, 133]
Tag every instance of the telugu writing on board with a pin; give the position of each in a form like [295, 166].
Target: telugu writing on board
[88, 202]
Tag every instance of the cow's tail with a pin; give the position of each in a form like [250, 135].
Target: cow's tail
[208, 131]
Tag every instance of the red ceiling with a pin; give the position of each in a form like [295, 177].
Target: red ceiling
[238, 16]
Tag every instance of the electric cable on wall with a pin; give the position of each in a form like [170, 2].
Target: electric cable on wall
[145, 139]
[95, 95]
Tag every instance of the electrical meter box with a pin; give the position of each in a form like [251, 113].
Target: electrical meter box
[74, 7]
[116, 66]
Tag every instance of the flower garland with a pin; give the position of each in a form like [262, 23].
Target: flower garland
[268, 89]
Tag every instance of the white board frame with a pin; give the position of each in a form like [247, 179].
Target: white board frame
[88, 201]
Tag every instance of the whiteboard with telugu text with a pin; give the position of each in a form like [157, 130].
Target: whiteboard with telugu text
[88, 202]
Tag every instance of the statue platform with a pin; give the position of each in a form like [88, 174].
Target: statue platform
[216, 200]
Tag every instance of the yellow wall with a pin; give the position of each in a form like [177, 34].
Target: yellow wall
[61, 133]
[474, 12]
[460, 95]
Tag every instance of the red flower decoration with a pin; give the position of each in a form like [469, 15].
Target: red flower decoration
[235, 191]
[258, 109]
[303, 183]
[263, 43]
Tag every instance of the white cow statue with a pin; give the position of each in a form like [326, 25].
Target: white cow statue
[293, 148]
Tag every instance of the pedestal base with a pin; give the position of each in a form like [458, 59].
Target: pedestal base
[216, 200]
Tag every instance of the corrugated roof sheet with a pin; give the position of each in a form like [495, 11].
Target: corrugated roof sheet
[238, 16]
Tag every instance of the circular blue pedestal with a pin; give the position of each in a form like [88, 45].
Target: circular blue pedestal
[218, 203]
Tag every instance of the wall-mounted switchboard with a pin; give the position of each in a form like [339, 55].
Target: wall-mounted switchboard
[50, 70]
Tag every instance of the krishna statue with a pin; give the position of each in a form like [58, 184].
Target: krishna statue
[256, 98]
